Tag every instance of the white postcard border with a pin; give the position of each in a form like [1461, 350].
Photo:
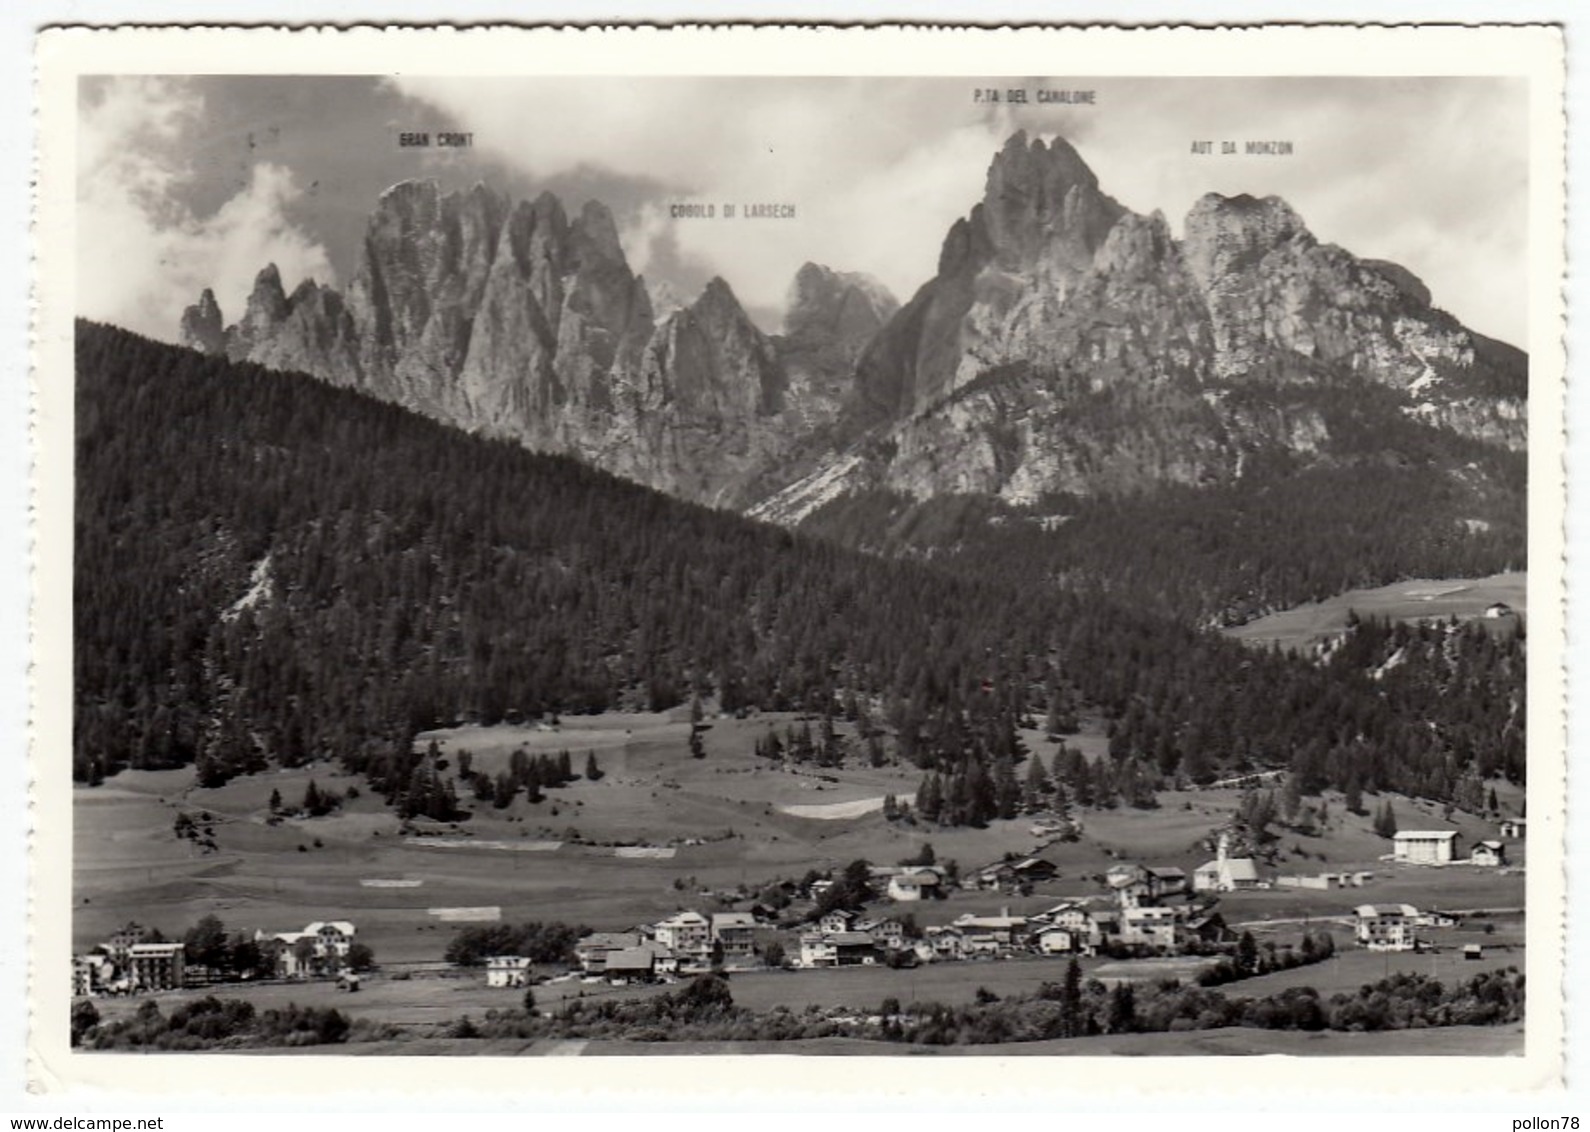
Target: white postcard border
[63, 55]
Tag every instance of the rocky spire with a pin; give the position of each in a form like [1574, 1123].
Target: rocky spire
[202, 327]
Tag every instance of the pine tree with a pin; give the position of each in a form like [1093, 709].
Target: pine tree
[929, 797]
[1292, 798]
[1072, 1023]
[592, 771]
[1386, 821]
[1007, 792]
[1038, 788]
[1123, 1009]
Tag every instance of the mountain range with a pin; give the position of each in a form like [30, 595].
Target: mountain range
[1065, 346]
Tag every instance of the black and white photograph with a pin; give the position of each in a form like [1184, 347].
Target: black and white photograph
[733, 564]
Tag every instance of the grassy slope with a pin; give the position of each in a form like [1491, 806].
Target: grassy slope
[1414, 600]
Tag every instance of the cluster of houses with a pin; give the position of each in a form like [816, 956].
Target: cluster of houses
[132, 961]
[684, 942]
[136, 960]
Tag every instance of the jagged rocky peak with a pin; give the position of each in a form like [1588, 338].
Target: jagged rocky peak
[1223, 234]
[836, 305]
[267, 309]
[1042, 200]
[202, 325]
[714, 361]
[599, 232]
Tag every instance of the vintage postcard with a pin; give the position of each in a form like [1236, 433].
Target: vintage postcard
[897, 542]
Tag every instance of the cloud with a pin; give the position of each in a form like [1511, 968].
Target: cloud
[878, 169]
[144, 255]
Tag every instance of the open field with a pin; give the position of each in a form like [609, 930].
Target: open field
[1414, 600]
[718, 817]
[660, 831]
[1451, 1041]
[1351, 968]
[535, 866]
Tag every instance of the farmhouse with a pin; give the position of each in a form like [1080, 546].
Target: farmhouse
[838, 949]
[915, 884]
[1056, 940]
[1489, 853]
[1003, 927]
[946, 941]
[591, 951]
[1512, 828]
[507, 971]
[889, 933]
[1166, 881]
[735, 933]
[839, 920]
[1386, 927]
[1130, 885]
[1497, 610]
[1424, 846]
[1209, 928]
[638, 964]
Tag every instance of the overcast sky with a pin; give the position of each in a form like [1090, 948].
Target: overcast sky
[193, 182]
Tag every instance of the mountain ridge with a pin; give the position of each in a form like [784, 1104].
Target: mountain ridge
[1065, 344]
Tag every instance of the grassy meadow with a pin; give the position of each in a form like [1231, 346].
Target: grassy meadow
[1420, 599]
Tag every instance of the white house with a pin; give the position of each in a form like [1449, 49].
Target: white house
[889, 933]
[326, 948]
[836, 921]
[1425, 846]
[1056, 940]
[688, 935]
[1386, 927]
[914, 884]
[1150, 926]
[507, 971]
[1512, 828]
[946, 940]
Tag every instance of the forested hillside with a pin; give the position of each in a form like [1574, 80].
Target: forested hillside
[270, 569]
[1385, 498]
